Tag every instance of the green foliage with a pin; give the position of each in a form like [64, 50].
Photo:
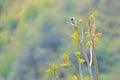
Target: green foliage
[31, 12]
[1, 43]
[12, 23]
[6, 60]
[1, 5]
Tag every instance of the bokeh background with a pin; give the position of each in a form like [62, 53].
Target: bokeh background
[35, 33]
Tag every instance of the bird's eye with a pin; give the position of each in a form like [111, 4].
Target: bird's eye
[72, 19]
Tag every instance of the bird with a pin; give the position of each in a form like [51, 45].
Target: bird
[73, 21]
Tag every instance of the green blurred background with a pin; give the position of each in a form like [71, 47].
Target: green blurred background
[34, 33]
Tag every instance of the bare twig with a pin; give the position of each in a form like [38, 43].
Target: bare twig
[82, 32]
[91, 55]
[56, 76]
[73, 68]
[87, 61]
[93, 46]
[80, 69]
[95, 60]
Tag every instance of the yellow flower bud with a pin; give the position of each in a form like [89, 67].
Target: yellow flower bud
[65, 64]
[89, 43]
[74, 78]
[80, 20]
[76, 28]
[87, 78]
[81, 60]
[77, 54]
[99, 34]
[65, 58]
[50, 71]
[75, 35]
[92, 16]
[96, 39]
[54, 66]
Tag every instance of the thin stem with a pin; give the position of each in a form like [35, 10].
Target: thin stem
[87, 61]
[80, 69]
[73, 68]
[82, 33]
[55, 74]
[91, 55]
[93, 46]
[95, 60]
[90, 31]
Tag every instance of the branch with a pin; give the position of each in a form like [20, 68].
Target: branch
[80, 69]
[87, 61]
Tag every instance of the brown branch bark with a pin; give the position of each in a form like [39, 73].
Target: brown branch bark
[80, 69]
[87, 61]
[95, 59]
[93, 46]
